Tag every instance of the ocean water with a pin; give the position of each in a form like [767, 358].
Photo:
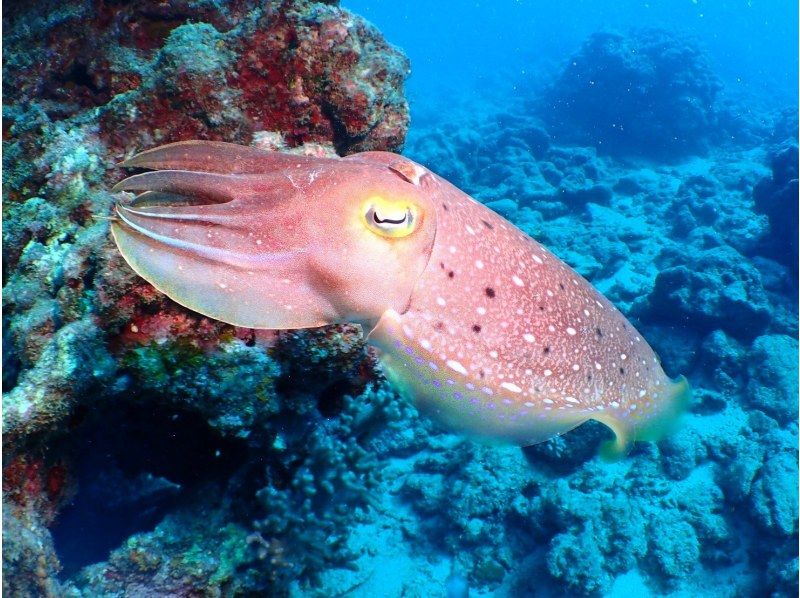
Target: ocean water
[465, 48]
[150, 451]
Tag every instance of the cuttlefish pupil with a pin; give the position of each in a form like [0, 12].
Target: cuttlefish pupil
[216, 228]
[379, 220]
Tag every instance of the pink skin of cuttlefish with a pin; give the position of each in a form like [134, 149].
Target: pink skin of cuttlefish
[477, 323]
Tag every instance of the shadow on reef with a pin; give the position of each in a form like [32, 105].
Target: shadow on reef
[132, 462]
[777, 197]
[565, 454]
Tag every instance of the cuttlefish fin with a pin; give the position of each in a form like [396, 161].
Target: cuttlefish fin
[217, 156]
[652, 427]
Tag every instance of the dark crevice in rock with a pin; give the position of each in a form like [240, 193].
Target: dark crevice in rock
[135, 462]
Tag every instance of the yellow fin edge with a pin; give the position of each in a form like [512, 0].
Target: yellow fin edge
[671, 407]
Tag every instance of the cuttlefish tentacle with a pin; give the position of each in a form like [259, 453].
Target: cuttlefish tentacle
[213, 253]
[480, 325]
[172, 213]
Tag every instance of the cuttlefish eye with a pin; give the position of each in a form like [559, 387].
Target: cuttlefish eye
[390, 218]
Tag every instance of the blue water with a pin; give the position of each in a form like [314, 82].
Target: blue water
[456, 47]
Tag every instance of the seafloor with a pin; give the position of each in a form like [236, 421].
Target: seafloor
[148, 451]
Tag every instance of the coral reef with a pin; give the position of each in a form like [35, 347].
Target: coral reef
[157, 73]
[649, 93]
[149, 451]
[772, 376]
[92, 99]
[689, 251]
[717, 289]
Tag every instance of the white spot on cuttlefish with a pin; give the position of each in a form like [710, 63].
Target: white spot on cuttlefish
[455, 365]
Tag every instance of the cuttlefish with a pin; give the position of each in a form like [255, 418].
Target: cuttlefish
[481, 326]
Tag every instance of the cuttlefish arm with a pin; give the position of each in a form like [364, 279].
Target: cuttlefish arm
[215, 156]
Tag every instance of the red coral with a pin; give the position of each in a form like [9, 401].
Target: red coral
[299, 69]
[33, 484]
[305, 77]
